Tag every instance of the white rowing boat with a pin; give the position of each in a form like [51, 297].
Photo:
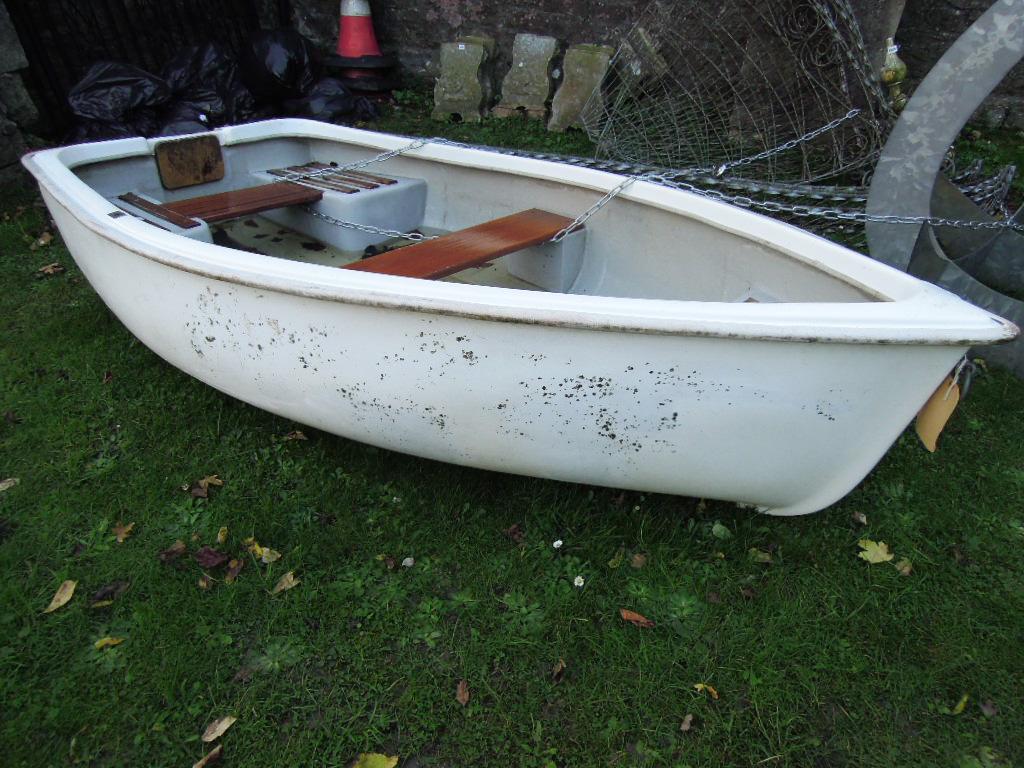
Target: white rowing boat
[671, 344]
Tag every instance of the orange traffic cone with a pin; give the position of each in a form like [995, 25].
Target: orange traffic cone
[355, 31]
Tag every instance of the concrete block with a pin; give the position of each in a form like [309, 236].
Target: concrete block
[583, 71]
[528, 84]
[12, 55]
[464, 85]
[17, 103]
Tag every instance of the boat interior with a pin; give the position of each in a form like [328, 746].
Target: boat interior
[318, 201]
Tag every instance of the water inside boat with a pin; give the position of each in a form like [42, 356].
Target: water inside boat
[293, 198]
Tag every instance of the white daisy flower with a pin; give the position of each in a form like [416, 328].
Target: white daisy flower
[578, 582]
[408, 562]
[557, 544]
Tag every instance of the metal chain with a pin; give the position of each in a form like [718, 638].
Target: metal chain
[298, 177]
[416, 237]
[721, 170]
[605, 199]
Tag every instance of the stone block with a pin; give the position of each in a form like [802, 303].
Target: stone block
[18, 104]
[527, 86]
[583, 71]
[464, 86]
[12, 55]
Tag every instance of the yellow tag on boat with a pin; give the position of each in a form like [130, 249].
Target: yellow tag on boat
[932, 418]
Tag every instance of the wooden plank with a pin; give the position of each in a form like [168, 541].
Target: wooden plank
[373, 177]
[245, 202]
[319, 181]
[472, 247]
[187, 162]
[160, 211]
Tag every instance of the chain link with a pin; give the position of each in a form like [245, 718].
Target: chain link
[299, 177]
[608, 196]
[724, 167]
[416, 237]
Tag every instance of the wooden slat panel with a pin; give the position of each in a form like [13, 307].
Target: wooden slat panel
[245, 202]
[466, 248]
[320, 181]
[160, 211]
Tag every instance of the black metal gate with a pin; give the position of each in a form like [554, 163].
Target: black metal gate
[62, 38]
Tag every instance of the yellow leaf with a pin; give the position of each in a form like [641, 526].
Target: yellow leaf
[61, 596]
[10, 482]
[295, 435]
[960, 705]
[639, 560]
[209, 480]
[462, 692]
[269, 555]
[211, 757]
[373, 760]
[204, 582]
[874, 551]
[107, 642]
[222, 534]
[122, 531]
[705, 687]
[253, 546]
[759, 555]
[102, 604]
[616, 561]
[217, 728]
[286, 582]
[905, 567]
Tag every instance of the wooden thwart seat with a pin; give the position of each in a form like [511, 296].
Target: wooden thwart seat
[466, 248]
[224, 206]
[244, 202]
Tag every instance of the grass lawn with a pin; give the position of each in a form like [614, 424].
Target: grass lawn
[814, 656]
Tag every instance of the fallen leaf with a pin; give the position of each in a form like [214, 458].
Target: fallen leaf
[408, 562]
[705, 687]
[748, 592]
[205, 582]
[759, 555]
[122, 531]
[635, 618]
[243, 675]
[61, 596]
[217, 728]
[515, 532]
[295, 435]
[874, 551]
[639, 560]
[211, 757]
[208, 557]
[10, 482]
[372, 760]
[222, 534]
[107, 642]
[285, 583]
[719, 531]
[860, 518]
[905, 567]
[42, 241]
[462, 692]
[173, 552]
[107, 594]
[617, 559]
[234, 568]
[558, 673]
[200, 489]
[253, 546]
[960, 705]
[108, 376]
[714, 597]
[988, 708]
[269, 555]
[687, 723]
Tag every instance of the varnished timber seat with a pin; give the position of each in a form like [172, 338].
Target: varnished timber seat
[466, 248]
[225, 206]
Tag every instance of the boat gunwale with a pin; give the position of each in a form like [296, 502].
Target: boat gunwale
[902, 316]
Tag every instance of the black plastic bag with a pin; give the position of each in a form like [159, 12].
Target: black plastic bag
[331, 101]
[184, 117]
[207, 77]
[117, 94]
[280, 65]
